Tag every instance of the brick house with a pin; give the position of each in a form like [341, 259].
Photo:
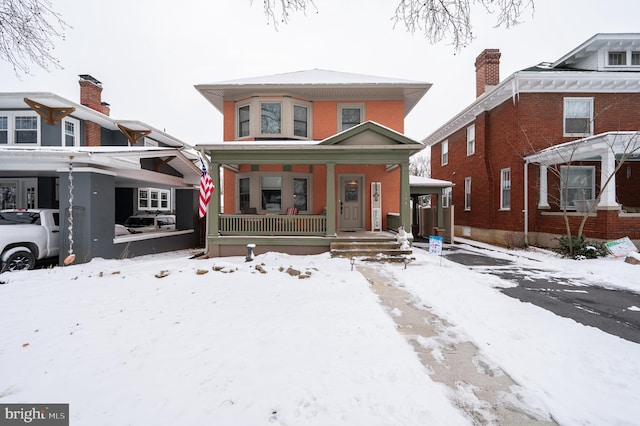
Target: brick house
[310, 158]
[543, 143]
[119, 168]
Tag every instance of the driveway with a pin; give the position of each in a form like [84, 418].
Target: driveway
[565, 296]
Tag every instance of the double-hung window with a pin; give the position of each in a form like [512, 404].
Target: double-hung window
[4, 130]
[26, 129]
[618, 58]
[271, 192]
[471, 139]
[270, 118]
[300, 121]
[467, 193]
[154, 199]
[578, 116]
[350, 116]
[300, 193]
[446, 197]
[444, 157]
[577, 183]
[244, 115]
[70, 132]
[505, 189]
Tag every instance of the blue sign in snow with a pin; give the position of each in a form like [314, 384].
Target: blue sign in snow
[435, 245]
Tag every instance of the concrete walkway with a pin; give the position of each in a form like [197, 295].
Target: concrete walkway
[485, 393]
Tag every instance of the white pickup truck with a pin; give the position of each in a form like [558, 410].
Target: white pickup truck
[27, 236]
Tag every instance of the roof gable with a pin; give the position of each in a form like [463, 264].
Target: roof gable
[369, 133]
[591, 55]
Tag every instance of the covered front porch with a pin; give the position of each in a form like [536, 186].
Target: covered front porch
[300, 196]
[598, 176]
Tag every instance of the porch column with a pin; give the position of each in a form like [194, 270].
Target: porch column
[405, 196]
[331, 200]
[213, 216]
[543, 202]
[608, 182]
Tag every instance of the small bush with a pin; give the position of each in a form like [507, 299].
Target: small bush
[582, 249]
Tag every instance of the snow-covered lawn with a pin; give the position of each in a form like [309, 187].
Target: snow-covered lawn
[154, 341]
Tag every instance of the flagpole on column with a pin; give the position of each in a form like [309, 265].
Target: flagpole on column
[206, 189]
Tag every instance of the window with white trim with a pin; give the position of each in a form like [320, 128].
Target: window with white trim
[577, 183]
[154, 199]
[70, 132]
[467, 193]
[270, 118]
[350, 115]
[300, 193]
[622, 58]
[578, 116]
[4, 130]
[271, 193]
[446, 197]
[244, 193]
[471, 139]
[444, 157]
[244, 119]
[300, 121]
[635, 58]
[505, 189]
[617, 58]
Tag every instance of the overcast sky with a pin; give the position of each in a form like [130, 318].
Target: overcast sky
[150, 53]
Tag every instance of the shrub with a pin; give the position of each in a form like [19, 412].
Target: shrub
[582, 249]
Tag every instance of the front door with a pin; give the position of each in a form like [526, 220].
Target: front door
[351, 202]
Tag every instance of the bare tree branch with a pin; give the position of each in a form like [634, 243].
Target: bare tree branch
[26, 34]
[278, 11]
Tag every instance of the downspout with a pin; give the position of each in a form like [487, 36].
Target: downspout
[526, 203]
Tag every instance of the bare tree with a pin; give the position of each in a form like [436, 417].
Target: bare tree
[438, 19]
[27, 32]
[420, 165]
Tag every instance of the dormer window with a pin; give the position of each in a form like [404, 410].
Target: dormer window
[623, 58]
[273, 118]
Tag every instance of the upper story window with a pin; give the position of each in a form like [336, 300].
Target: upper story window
[244, 113]
[300, 121]
[578, 116]
[270, 118]
[623, 58]
[471, 139]
[444, 158]
[70, 132]
[19, 128]
[350, 116]
[282, 118]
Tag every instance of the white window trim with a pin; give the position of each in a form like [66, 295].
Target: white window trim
[287, 105]
[564, 118]
[446, 197]
[255, 190]
[76, 127]
[11, 127]
[562, 188]
[471, 143]
[444, 153]
[467, 194]
[159, 193]
[502, 188]
[360, 106]
[628, 57]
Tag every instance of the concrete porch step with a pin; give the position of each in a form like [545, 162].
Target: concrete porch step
[371, 251]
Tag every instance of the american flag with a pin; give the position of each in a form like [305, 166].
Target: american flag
[206, 189]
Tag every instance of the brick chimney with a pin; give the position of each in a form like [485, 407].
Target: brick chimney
[91, 97]
[487, 70]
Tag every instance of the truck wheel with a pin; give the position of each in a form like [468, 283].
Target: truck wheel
[19, 260]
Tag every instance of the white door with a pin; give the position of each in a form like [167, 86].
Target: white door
[351, 202]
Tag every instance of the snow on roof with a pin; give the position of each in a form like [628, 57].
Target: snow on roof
[316, 77]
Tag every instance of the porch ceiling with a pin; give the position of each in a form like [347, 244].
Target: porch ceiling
[590, 148]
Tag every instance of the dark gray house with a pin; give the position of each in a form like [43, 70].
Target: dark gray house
[118, 168]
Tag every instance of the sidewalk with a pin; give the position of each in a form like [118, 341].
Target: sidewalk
[486, 395]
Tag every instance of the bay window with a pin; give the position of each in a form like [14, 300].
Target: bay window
[270, 118]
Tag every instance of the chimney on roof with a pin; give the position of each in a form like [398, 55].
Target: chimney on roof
[487, 70]
[91, 94]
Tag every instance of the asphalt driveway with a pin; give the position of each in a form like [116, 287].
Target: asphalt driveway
[566, 296]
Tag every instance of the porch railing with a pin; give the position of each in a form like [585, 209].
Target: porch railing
[250, 224]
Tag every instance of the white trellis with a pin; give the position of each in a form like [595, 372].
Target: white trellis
[71, 257]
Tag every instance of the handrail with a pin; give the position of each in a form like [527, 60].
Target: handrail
[252, 224]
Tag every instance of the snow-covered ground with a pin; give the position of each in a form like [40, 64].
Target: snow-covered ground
[169, 340]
